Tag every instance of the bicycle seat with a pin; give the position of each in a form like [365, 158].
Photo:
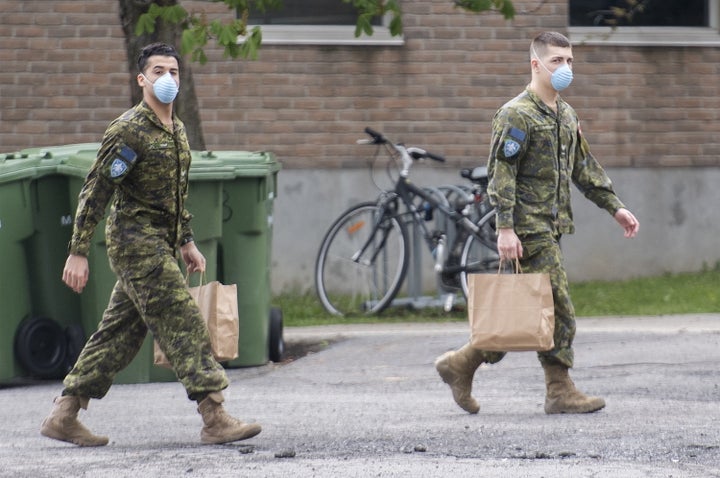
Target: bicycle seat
[478, 175]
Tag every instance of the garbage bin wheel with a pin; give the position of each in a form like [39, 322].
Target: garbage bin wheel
[41, 347]
[275, 338]
[75, 336]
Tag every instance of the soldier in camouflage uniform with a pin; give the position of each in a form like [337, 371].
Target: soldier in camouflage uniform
[537, 150]
[143, 166]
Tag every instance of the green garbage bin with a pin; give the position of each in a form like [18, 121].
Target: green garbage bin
[16, 174]
[249, 182]
[52, 300]
[48, 337]
[205, 204]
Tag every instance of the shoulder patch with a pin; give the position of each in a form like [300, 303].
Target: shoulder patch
[511, 148]
[117, 168]
[517, 134]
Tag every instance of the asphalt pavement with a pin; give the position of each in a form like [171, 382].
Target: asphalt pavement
[365, 401]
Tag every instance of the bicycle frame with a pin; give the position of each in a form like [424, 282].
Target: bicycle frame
[406, 192]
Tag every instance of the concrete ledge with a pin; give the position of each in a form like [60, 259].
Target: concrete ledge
[691, 323]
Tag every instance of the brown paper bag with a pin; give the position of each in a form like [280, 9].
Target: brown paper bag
[219, 308]
[511, 312]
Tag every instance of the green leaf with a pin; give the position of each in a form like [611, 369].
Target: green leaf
[145, 24]
[227, 35]
[249, 48]
[173, 14]
[199, 56]
[155, 10]
[187, 42]
[363, 25]
[507, 9]
[392, 5]
[476, 6]
[396, 27]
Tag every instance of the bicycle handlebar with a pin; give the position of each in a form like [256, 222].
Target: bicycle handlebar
[415, 153]
[377, 137]
[435, 157]
[419, 153]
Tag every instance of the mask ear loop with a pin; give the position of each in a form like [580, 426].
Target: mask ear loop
[537, 57]
[147, 79]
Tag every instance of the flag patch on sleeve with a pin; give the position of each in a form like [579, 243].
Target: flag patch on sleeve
[517, 134]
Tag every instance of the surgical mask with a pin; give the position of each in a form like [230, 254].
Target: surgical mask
[561, 77]
[165, 88]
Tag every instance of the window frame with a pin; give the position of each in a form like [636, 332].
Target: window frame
[331, 35]
[652, 36]
[336, 35]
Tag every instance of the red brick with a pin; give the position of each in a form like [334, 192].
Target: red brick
[65, 60]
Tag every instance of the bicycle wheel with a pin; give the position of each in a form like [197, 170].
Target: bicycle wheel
[480, 251]
[347, 284]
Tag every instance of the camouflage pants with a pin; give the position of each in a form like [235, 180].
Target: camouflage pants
[150, 294]
[541, 253]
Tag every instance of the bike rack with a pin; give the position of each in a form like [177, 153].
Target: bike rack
[414, 278]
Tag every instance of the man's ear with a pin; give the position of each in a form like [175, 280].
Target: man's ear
[534, 64]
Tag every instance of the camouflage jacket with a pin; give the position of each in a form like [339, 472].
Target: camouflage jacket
[534, 155]
[146, 167]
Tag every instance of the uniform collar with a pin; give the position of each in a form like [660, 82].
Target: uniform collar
[145, 109]
[541, 104]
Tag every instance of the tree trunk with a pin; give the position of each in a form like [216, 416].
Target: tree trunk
[186, 104]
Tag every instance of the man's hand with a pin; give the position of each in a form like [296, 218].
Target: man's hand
[193, 258]
[627, 220]
[509, 245]
[76, 272]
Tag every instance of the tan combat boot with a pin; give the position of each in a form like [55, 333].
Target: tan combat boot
[221, 427]
[563, 397]
[457, 369]
[62, 423]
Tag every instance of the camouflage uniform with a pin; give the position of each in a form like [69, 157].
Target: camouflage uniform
[534, 155]
[145, 166]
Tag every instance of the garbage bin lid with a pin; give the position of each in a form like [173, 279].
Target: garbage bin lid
[17, 166]
[232, 164]
[80, 160]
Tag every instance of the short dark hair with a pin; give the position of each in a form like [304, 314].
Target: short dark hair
[156, 49]
[544, 39]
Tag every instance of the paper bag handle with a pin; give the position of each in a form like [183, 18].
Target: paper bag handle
[203, 279]
[517, 269]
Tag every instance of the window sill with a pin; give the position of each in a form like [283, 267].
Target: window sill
[645, 36]
[325, 35]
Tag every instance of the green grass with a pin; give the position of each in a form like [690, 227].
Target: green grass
[663, 295]
[305, 309]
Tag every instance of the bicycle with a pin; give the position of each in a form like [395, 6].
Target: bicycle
[363, 258]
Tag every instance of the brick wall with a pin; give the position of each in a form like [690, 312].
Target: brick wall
[62, 75]
[63, 78]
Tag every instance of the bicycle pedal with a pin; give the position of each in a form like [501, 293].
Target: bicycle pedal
[449, 302]
[450, 281]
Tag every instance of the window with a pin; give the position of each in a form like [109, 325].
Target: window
[593, 13]
[321, 12]
[645, 22]
[317, 22]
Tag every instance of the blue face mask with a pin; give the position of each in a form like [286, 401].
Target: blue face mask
[560, 78]
[165, 88]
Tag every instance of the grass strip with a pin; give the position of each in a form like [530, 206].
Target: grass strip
[668, 294]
